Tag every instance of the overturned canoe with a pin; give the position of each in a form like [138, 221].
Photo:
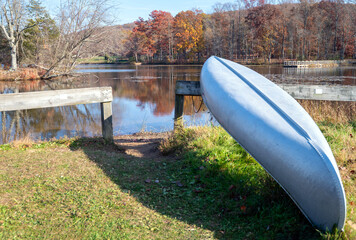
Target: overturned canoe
[280, 135]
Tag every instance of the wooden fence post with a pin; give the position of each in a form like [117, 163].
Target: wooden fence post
[183, 88]
[178, 111]
[106, 121]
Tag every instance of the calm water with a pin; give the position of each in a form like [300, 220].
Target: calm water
[143, 99]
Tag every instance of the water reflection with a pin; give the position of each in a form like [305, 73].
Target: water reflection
[340, 75]
[143, 99]
[47, 123]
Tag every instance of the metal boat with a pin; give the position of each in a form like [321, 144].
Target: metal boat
[280, 135]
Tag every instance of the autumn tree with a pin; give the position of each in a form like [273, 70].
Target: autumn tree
[137, 44]
[263, 22]
[337, 27]
[188, 27]
[306, 13]
[253, 3]
[220, 25]
[161, 32]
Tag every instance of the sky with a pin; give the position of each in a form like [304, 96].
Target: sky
[130, 10]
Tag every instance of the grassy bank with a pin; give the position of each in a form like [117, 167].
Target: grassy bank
[21, 74]
[102, 60]
[200, 184]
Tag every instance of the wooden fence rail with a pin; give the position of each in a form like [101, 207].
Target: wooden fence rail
[306, 92]
[67, 97]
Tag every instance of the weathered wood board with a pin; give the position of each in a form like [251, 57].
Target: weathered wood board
[67, 97]
[55, 98]
[188, 88]
[320, 92]
[297, 91]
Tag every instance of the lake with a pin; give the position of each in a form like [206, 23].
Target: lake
[143, 99]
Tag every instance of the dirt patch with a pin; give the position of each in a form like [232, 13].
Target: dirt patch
[141, 145]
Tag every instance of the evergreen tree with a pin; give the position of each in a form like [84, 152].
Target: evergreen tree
[41, 31]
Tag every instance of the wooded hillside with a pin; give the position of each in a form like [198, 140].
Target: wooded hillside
[248, 30]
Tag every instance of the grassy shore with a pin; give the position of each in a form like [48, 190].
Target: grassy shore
[194, 184]
[102, 60]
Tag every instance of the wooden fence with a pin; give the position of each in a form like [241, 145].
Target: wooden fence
[57, 98]
[307, 92]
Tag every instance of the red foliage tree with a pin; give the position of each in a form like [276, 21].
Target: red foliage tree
[161, 32]
[263, 21]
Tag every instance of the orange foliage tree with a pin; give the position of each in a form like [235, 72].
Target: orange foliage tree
[188, 26]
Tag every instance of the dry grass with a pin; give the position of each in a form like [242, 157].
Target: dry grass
[333, 112]
[25, 141]
[21, 74]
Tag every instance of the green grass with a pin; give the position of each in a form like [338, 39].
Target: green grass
[225, 165]
[102, 59]
[93, 60]
[205, 187]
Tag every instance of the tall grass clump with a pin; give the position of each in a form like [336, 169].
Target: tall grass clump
[330, 111]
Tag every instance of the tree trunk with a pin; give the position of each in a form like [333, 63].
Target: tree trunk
[13, 56]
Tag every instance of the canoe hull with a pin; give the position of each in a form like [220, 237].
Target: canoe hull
[280, 135]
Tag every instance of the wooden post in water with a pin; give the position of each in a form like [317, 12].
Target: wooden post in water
[183, 88]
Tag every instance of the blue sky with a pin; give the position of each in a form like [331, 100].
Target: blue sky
[130, 10]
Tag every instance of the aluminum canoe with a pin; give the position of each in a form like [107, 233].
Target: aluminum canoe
[280, 135]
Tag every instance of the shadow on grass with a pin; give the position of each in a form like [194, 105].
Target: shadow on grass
[188, 189]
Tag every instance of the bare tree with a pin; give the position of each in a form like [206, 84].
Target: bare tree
[11, 19]
[80, 23]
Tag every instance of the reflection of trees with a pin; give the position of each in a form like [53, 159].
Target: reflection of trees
[154, 85]
[49, 122]
[192, 104]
